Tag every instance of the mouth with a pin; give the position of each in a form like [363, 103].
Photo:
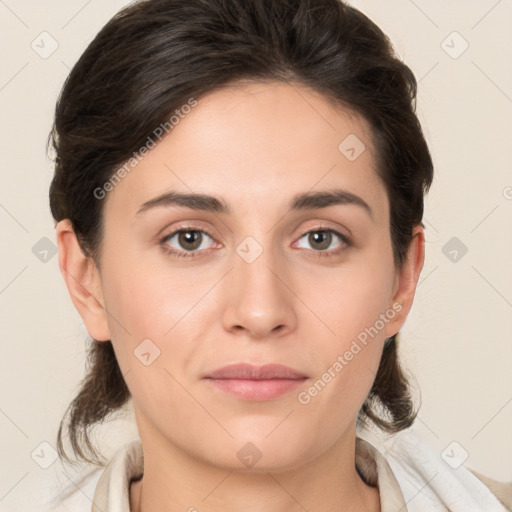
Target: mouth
[256, 383]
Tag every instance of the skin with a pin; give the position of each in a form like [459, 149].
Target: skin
[256, 146]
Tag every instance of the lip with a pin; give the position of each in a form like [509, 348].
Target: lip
[256, 383]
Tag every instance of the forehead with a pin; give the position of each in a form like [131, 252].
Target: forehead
[255, 144]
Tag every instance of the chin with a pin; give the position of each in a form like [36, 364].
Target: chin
[264, 448]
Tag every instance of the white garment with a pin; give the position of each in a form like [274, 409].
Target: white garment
[410, 474]
[428, 483]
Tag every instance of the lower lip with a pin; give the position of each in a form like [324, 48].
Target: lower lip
[256, 390]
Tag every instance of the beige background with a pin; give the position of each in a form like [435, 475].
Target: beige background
[457, 340]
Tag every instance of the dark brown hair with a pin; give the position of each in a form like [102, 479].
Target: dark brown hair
[152, 57]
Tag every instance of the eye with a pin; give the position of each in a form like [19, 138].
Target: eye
[186, 242]
[191, 242]
[322, 239]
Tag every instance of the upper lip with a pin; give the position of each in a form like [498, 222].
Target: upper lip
[253, 372]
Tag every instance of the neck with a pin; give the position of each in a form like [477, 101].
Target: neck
[173, 481]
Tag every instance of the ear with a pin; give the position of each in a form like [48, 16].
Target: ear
[406, 281]
[83, 281]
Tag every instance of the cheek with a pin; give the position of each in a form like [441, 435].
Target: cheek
[351, 299]
[346, 362]
[150, 318]
[146, 298]
[354, 305]
[155, 315]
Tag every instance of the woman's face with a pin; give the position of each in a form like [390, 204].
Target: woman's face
[284, 259]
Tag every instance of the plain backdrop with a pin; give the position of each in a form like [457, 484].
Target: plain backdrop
[457, 339]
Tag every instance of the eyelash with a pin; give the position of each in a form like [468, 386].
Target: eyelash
[194, 254]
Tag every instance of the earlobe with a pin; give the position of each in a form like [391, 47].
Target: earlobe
[407, 281]
[83, 281]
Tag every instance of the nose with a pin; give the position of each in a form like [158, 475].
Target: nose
[259, 302]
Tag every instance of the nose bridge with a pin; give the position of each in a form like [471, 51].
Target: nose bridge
[259, 301]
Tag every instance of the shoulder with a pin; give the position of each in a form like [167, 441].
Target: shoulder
[429, 480]
[502, 490]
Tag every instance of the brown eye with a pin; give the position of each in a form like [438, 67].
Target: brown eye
[324, 241]
[187, 242]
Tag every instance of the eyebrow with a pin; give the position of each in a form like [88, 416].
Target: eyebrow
[304, 201]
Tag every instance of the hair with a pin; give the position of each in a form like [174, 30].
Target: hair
[151, 58]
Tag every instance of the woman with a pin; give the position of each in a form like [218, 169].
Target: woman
[238, 195]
